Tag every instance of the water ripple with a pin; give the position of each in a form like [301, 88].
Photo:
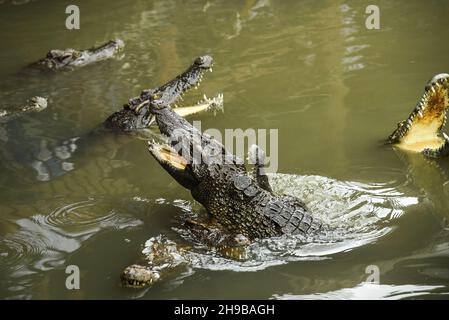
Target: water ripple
[43, 241]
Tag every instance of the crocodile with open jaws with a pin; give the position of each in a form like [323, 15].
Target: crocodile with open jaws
[136, 113]
[242, 207]
[422, 130]
[57, 59]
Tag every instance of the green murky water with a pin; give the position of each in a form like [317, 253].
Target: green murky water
[332, 88]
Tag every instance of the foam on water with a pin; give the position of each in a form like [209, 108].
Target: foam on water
[357, 214]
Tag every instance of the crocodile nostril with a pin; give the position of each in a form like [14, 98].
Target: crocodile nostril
[204, 61]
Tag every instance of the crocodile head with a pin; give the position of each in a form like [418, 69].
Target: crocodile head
[69, 58]
[159, 253]
[138, 276]
[422, 130]
[136, 113]
[34, 104]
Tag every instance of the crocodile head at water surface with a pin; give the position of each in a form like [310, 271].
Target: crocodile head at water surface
[136, 113]
[422, 130]
[240, 202]
[57, 59]
[34, 104]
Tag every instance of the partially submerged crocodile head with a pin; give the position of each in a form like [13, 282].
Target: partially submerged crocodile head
[217, 179]
[69, 58]
[160, 254]
[422, 130]
[34, 104]
[136, 113]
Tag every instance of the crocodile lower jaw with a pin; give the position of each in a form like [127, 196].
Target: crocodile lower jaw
[422, 145]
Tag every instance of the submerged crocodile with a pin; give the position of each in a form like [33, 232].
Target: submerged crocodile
[34, 104]
[422, 130]
[57, 59]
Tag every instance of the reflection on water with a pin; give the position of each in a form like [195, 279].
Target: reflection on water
[368, 291]
[333, 89]
[42, 242]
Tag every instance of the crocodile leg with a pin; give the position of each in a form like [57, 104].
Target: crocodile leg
[256, 156]
[213, 235]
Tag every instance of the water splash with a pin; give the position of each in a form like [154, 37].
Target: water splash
[358, 214]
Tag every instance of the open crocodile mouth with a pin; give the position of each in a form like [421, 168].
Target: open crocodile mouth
[172, 93]
[164, 153]
[422, 130]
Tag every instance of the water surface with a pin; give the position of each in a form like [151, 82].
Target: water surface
[332, 88]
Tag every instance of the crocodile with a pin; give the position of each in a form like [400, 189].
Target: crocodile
[241, 206]
[34, 104]
[217, 179]
[7, 114]
[69, 58]
[422, 130]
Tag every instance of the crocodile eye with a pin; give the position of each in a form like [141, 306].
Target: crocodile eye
[156, 96]
[199, 61]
